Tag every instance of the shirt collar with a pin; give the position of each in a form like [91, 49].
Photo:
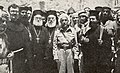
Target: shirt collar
[67, 30]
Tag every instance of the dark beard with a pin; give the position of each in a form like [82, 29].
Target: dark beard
[24, 21]
[17, 22]
[94, 25]
[104, 19]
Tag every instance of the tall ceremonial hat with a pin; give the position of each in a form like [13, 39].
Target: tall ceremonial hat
[51, 12]
[94, 13]
[98, 8]
[30, 8]
[105, 7]
[37, 12]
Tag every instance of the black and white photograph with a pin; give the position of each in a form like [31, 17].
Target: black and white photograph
[59, 36]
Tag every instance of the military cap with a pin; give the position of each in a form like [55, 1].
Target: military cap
[83, 14]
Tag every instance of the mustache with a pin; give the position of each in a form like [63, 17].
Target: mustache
[13, 14]
[92, 22]
[24, 18]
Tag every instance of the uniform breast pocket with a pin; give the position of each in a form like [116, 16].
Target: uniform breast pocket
[61, 39]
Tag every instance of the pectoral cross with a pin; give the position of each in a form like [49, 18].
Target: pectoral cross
[37, 39]
[50, 37]
[49, 40]
[37, 35]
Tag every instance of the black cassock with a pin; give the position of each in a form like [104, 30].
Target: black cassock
[90, 51]
[105, 54]
[18, 38]
[50, 63]
[39, 46]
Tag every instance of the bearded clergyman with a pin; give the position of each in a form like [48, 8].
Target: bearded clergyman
[39, 40]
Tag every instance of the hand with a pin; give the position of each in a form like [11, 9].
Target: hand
[100, 41]
[82, 38]
[46, 58]
[57, 60]
[118, 42]
[86, 40]
[10, 55]
[26, 60]
[110, 31]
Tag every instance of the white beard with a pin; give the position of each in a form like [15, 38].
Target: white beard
[36, 23]
[53, 24]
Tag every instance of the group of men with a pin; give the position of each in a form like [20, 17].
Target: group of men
[58, 42]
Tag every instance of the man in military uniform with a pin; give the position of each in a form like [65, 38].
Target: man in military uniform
[64, 43]
[82, 23]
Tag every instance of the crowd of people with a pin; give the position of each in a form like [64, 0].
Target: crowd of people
[36, 41]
